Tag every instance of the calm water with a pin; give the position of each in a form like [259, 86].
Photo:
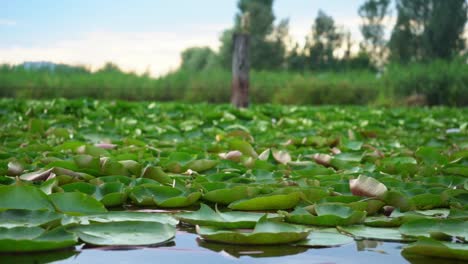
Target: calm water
[188, 248]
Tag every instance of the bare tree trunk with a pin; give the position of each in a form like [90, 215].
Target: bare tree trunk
[240, 71]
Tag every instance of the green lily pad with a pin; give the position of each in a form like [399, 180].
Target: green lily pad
[24, 197]
[385, 221]
[327, 215]
[125, 233]
[109, 194]
[433, 248]
[162, 196]
[435, 228]
[268, 202]
[120, 216]
[375, 233]
[29, 239]
[27, 218]
[326, 238]
[76, 203]
[206, 216]
[226, 196]
[266, 232]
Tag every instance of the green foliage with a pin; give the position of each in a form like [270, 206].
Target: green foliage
[447, 86]
[267, 41]
[440, 82]
[198, 59]
[428, 30]
[171, 155]
[373, 13]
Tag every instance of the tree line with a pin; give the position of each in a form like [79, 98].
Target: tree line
[424, 30]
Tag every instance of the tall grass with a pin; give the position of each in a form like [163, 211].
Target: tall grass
[440, 82]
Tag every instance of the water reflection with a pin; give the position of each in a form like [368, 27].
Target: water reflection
[38, 258]
[188, 248]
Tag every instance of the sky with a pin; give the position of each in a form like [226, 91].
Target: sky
[139, 35]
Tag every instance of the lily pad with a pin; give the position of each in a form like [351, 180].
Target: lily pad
[226, 196]
[76, 203]
[433, 248]
[268, 202]
[327, 215]
[29, 239]
[27, 218]
[326, 238]
[162, 196]
[120, 216]
[375, 233]
[125, 233]
[206, 216]
[24, 197]
[435, 228]
[266, 232]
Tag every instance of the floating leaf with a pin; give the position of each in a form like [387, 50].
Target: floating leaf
[268, 202]
[120, 216]
[127, 233]
[206, 216]
[435, 228]
[162, 196]
[27, 218]
[29, 239]
[266, 232]
[327, 215]
[23, 197]
[282, 156]
[243, 147]
[226, 196]
[326, 238]
[367, 186]
[376, 233]
[76, 203]
[433, 248]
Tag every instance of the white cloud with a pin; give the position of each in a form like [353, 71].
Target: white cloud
[7, 22]
[158, 52]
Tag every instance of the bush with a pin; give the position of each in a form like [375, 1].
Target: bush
[441, 82]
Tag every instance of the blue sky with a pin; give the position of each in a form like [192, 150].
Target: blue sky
[138, 35]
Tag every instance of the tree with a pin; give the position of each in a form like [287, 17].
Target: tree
[323, 41]
[198, 58]
[428, 29]
[373, 14]
[267, 46]
[443, 36]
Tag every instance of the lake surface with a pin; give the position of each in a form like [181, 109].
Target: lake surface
[188, 248]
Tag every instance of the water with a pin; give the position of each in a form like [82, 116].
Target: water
[188, 248]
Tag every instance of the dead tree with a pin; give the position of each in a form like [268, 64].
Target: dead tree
[241, 66]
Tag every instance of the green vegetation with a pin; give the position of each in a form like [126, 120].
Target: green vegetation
[312, 176]
[438, 82]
